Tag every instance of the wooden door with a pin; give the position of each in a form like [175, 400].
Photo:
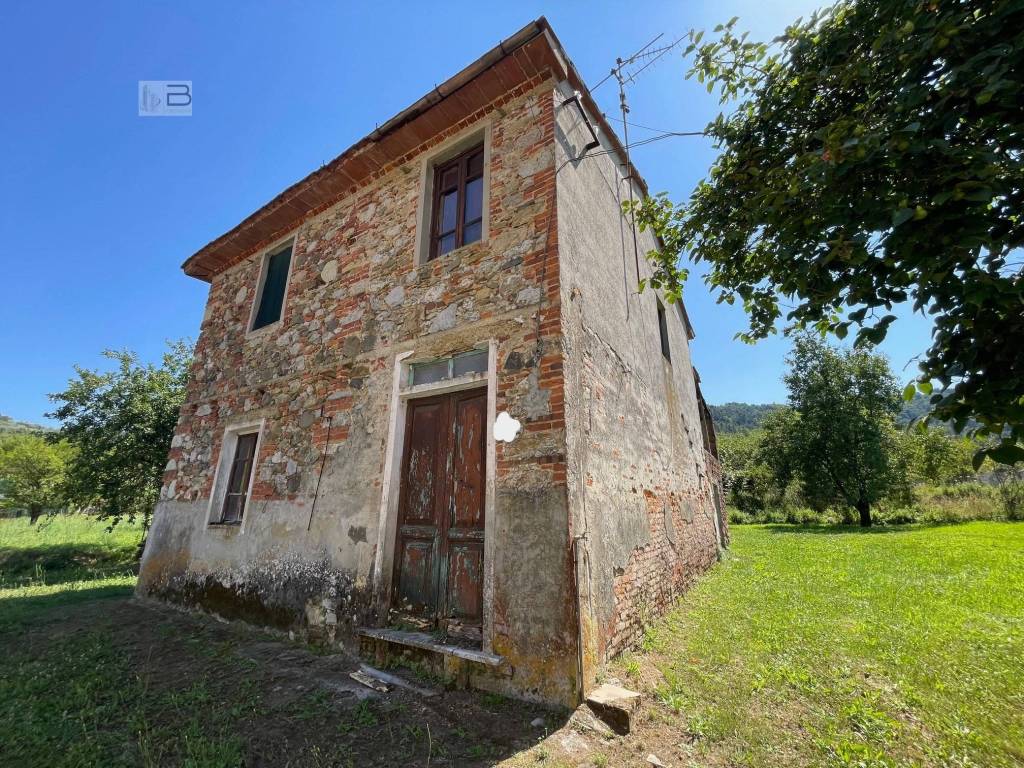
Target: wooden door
[439, 550]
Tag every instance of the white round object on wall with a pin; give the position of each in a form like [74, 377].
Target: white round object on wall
[506, 429]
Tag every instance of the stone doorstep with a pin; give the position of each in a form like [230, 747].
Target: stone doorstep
[429, 643]
[615, 706]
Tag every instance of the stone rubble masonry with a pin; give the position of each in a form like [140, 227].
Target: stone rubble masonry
[602, 504]
[356, 298]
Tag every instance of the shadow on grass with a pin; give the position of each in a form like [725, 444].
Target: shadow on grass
[62, 563]
[25, 606]
[183, 689]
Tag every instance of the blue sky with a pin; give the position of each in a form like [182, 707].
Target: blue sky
[99, 207]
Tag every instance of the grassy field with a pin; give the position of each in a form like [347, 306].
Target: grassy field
[61, 561]
[94, 679]
[837, 647]
[64, 548]
[805, 647]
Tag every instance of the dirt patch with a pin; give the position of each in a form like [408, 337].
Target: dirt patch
[285, 703]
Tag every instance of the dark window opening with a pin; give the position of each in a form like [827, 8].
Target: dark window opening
[666, 351]
[238, 479]
[457, 213]
[271, 298]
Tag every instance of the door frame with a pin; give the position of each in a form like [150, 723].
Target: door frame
[387, 528]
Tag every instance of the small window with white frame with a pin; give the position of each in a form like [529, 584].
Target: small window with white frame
[233, 486]
[272, 287]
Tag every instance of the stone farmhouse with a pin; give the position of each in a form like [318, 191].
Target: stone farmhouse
[431, 414]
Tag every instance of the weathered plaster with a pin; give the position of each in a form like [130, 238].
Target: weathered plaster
[323, 382]
[601, 501]
[636, 467]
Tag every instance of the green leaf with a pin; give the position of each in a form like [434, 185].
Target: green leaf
[1007, 453]
[978, 459]
[925, 387]
[908, 392]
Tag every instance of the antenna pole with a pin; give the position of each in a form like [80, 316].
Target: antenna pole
[629, 163]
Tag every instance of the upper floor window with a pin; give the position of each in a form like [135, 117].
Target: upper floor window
[666, 351]
[270, 300]
[457, 216]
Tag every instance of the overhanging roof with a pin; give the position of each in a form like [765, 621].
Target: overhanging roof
[534, 50]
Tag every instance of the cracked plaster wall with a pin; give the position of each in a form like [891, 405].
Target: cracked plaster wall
[640, 498]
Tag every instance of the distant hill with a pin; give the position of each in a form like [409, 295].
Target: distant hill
[8, 425]
[742, 417]
[915, 409]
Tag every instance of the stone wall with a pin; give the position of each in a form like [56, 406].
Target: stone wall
[321, 382]
[642, 514]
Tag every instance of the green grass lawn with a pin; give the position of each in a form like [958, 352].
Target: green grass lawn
[829, 646]
[63, 560]
[834, 647]
[64, 548]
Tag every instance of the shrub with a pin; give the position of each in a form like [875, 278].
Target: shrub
[957, 503]
[1011, 495]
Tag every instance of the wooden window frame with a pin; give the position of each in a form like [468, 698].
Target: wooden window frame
[461, 161]
[239, 464]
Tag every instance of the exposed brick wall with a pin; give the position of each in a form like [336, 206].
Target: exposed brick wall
[337, 335]
[356, 298]
[660, 571]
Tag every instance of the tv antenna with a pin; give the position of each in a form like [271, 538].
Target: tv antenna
[626, 71]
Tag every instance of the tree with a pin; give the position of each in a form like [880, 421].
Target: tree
[746, 479]
[938, 457]
[844, 444]
[32, 473]
[121, 423]
[873, 155]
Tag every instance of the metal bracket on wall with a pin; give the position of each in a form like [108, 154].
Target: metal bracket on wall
[594, 142]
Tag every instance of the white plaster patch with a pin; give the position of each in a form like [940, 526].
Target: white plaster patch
[506, 429]
[242, 293]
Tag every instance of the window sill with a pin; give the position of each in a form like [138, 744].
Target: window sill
[460, 251]
[225, 526]
[261, 332]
